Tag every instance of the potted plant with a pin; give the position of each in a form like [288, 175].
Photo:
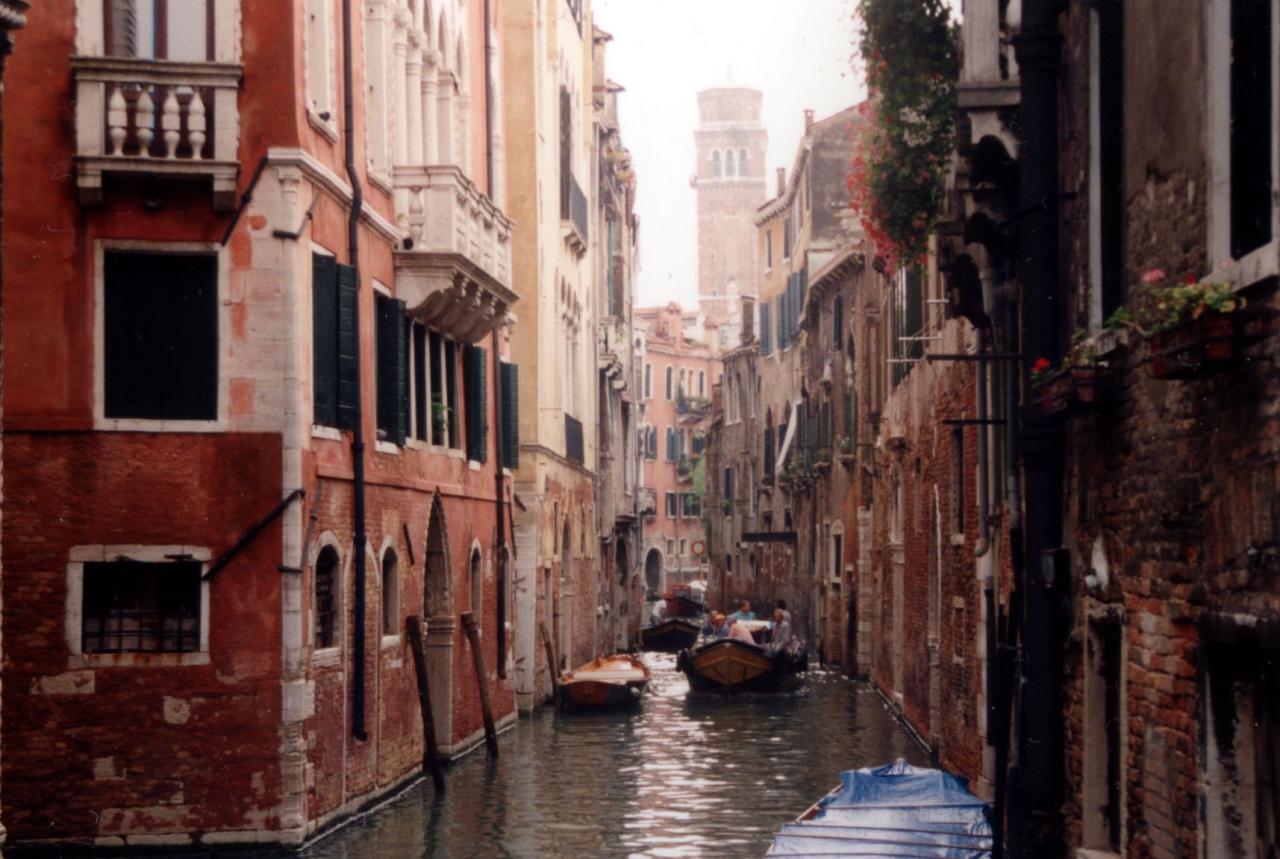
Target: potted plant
[1191, 326]
[845, 446]
[439, 415]
[1078, 384]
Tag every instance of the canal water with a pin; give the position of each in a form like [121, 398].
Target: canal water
[680, 777]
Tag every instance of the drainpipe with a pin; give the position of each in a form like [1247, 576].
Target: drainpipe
[984, 500]
[502, 524]
[488, 143]
[357, 433]
[1035, 815]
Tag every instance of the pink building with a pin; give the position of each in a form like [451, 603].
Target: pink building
[679, 371]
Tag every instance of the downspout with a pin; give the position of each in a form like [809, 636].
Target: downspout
[1035, 816]
[357, 432]
[984, 477]
[499, 482]
[488, 161]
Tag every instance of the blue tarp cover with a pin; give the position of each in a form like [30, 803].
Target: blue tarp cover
[895, 810]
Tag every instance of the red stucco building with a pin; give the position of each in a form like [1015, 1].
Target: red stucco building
[256, 304]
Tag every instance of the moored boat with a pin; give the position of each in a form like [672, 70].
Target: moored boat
[669, 636]
[730, 665]
[685, 600]
[609, 681]
[894, 810]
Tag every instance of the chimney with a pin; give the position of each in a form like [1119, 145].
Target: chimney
[782, 181]
[808, 120]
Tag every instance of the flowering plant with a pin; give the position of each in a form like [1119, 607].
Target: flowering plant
[1041, 370]
[903, 143]
[1168, 303]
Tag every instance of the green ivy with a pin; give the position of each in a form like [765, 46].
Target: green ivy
[902, 146]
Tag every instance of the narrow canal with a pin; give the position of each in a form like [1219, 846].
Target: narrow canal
[679, 777]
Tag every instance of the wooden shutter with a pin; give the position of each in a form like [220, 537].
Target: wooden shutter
[392, 344]
[475, 378]
[837, 323]
[348, 348]
[510, 415]
[766, 327]
[768, 452]
[824, 425]
[324, 340]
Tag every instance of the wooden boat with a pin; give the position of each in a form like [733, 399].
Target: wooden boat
[894, 810]
[684, 601]
[609, 681]
[729, 665]
[671, 636]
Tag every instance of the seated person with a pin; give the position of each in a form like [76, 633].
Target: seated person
[715, 627]
[781, 630]
[744, 612]
[659, 613]
[738, 630]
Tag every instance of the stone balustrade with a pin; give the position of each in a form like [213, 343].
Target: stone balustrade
[160, 118]
[455, 269]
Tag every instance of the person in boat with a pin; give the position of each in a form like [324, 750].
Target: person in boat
[715, 627]
[782, 635]
[744, 612]
[782, 604]
[738, 630]
[659, 613]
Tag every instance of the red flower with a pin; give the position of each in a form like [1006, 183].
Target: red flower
[1040, 366]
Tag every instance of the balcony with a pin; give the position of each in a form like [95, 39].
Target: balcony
[573, 439]
[455, 270]
[156, 117]
[574, 215]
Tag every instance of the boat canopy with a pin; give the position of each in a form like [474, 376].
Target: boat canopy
[895, 810]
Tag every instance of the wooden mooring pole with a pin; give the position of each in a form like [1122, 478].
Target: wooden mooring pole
[552, 666]
[431, 752]
[477, 654]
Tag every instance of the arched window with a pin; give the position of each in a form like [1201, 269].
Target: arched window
[702, 383]
[476, 574]
[327, 593]
[671, 444]
[715, 163]
[671, 383]
[742, 162]
[390, 593]
[728, 162]
[648, 381]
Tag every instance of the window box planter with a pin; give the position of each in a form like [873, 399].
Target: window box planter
[1207, 344]
[1074, 390]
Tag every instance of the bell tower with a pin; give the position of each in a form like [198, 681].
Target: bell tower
[730, 181]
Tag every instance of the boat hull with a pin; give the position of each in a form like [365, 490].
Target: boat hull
[735, 666]
[610, 681]
[670, 636]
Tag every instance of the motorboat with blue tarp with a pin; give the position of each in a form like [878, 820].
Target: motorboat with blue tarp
[896, 810]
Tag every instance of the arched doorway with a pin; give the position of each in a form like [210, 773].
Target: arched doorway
[653, 571]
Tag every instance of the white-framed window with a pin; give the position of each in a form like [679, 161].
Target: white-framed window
[433, 388]
[137, 605]
[475, 576]
[648, 381]
[715, 171]
[742, 162]
[1243, 111]
[326, 598]
[378, 90]
[671, 375]
[174, 30]
[158, 337]
[320, 53]
[729, 171]
[390, 593]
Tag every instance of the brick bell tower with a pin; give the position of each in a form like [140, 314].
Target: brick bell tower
[730, 180]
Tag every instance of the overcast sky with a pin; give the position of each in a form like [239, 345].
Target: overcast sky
[797, 52]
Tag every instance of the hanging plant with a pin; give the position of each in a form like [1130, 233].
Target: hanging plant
[903, 145]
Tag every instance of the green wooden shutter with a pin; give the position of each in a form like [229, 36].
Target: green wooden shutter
[324, 340]
[348, 348]
[392, 346]
[474, 369]
[766, 327]
[510, 415]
